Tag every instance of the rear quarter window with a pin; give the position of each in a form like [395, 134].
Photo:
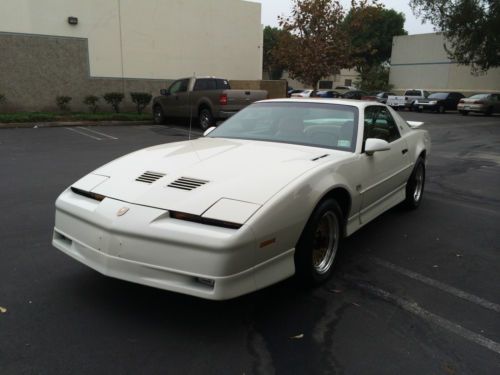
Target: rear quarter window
[222, 84]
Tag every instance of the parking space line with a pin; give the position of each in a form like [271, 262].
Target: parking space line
[96, 132]
[85, 134]
[415, 309]
[439, 285]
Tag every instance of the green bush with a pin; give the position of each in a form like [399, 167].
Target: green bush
[91, 102]
[114, 99]
[62, 102]
[141, 100]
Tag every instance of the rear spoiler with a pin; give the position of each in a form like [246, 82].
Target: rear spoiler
[414, 124]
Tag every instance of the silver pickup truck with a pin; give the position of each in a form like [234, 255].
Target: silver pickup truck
[203, 99]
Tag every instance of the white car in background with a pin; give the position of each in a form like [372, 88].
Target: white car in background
[268, 194]
[406, 100]
[303, 94]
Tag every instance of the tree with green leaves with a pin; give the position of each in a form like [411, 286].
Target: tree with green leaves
[371, 28]
[315, 44]
[271, 64]
[471, 29]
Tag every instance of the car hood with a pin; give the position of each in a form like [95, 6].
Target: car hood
[238, 170]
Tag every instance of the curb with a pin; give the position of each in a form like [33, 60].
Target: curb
[55, 124]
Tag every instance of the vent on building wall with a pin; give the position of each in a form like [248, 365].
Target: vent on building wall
[186, 183]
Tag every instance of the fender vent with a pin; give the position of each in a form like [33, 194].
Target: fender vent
[186, 183]
[149, 177]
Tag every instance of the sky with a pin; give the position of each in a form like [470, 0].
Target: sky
[271, 9]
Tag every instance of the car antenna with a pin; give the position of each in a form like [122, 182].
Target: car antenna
[190, 108]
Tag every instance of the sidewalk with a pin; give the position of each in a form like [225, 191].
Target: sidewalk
[71, 123]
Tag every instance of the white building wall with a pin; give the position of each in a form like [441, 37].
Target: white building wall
[420, 61]
[160, 39]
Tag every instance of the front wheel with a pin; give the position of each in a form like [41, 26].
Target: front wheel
[205, 119]
[318, 245]
[158, 115]
[441, 109]
[415, 185]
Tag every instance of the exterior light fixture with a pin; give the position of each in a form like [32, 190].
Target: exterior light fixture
[73, 20]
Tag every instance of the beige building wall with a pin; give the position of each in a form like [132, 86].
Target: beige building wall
[155, 39]
[420, 61]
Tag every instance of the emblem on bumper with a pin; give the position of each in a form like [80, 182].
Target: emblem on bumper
[122, 211]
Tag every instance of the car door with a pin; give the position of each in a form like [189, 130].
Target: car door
[383, 174]
[170, 101]
[181, 98]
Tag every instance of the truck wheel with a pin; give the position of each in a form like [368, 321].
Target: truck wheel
[205, 119]
[158, 115]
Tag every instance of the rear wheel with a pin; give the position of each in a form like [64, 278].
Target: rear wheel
[489, 111]
[158, 115]
[205, 119]
[318, 245]
[415, 185]
[464, 113]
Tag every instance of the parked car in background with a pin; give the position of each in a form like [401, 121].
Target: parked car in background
[480, 103]
[206, 99]
[293, 91]
[407, 99]
[327, 94]
[303, 94]
[378, 96]
[346, 88]
[354, 94]
[438, 102]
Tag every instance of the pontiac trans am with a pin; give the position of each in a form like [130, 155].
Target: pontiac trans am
[268, 194]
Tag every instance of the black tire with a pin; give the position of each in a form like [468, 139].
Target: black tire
[158, 115]
[489, 111]
[419, 110]
[415, 185]
[311, 265]
[441, 109]
[464, 113]
[205, 119]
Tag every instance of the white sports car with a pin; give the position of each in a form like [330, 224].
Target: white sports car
[268, 194]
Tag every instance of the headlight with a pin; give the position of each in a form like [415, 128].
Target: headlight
[416, 101]
[432, 102]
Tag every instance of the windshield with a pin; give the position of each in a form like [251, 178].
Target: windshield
[438, 95]
[479, 96]
[310, 124]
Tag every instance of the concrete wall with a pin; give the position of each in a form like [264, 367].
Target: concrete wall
[337, 79]
[156, 39]
[420, 61]
[34, 69]
[121, 45]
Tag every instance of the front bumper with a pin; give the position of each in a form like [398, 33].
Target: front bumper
[148, 247]
[481, 108]
[426, 106]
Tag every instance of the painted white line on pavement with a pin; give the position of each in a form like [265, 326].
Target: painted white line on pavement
[96, 132]
[85, 134]
[439, 285]
[415, 309]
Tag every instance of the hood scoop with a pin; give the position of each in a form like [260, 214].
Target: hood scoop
[186, 183]
[150, 177]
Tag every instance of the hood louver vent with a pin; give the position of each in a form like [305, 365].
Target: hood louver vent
[185, 183]
[150, 177]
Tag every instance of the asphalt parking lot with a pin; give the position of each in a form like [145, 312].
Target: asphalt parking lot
[413, 293]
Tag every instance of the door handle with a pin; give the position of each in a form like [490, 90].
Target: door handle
[404, 151]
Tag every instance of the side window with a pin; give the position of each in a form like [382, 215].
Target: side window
[223, 84]
[184, 85]
[495, 97]
[175, 87]
[380, 124]
[204, 84]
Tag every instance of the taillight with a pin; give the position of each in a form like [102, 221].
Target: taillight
[223, 99]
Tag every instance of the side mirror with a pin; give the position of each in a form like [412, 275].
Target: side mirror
[164, 92]
[373, 145]
[209, 130]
